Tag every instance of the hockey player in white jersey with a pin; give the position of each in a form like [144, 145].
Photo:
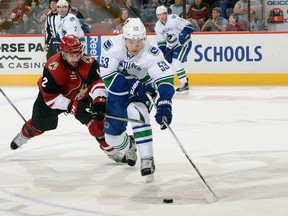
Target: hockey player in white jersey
[173, 35]
[130, 66]
[68, 24]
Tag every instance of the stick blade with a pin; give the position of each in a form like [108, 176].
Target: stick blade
[211, 198]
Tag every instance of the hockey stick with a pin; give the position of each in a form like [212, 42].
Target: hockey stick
[171, 50]
[30, 130]
[211, 198]
[117, 117]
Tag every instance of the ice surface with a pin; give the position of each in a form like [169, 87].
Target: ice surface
[236, 136]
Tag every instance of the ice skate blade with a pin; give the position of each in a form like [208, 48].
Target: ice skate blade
[186, 92]
[149, 178]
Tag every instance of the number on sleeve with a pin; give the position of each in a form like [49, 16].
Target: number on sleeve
[104, 62]
[163, 66]
[44, 82]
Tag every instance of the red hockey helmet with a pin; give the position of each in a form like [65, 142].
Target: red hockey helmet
[70, 44]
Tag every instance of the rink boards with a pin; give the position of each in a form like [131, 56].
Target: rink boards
[215, 59]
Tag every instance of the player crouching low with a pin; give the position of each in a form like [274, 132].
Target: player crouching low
[71, 84]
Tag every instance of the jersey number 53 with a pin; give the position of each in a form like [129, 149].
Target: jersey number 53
[163, 66]
[104, 62]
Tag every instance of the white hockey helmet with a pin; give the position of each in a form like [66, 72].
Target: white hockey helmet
[134, 29]
[160, 9]
[62, 3]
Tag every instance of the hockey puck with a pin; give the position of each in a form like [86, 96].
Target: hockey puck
[168, 200]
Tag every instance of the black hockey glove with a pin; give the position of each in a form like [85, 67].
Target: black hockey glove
[78, 109]
[98, 108]
[163, 113]
[140, 89]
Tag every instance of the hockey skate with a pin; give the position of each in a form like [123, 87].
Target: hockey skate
[18, 141]
[183, 89]
[118, 157]
[131, 155]
[148, 168]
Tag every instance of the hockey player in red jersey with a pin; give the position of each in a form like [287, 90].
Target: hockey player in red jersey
[70, 83]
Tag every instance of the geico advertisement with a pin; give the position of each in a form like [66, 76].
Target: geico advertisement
[23, 55]
[276, 14]
[210, 53]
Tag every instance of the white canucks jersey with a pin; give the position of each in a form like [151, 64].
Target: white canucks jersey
[149, 65]
[168, 33]
[69, 25]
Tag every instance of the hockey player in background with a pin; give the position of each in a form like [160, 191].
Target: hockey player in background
[68, 24]
[70, 84]
[51, 43]
[129, 66]
[174, 40]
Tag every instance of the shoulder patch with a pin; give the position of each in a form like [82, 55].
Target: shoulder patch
[173, 16]
[107, 44]
[153, 50]
[72, 18]
[53, 66]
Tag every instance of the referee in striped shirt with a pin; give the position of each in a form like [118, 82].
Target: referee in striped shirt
[51, 44]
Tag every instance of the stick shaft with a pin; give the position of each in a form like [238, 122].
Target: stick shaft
[123, 119]
[10, 102]
[117, 117]
[170, 51]
[184, 151]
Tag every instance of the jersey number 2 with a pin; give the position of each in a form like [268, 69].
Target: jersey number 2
[44, 81]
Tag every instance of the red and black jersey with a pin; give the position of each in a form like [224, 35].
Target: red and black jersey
[59, 84]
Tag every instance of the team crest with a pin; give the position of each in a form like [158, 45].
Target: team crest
[81, 92]
[53, 66]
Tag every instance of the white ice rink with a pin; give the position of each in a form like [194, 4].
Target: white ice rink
[236, 136]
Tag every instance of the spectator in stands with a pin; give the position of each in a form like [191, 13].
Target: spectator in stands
[90, 12]
[166, 3]
[149, 12]
[16, 14]
[119, 22]
[83, 23]
[193, 23]
[39, 14]
[109, 11]
[26, 25]
[17, 11]
[30, 3]
[199, 11]
[2, 30]
[216, 22]
[241, 8]
[1, 18]
[234, 25]
[226, 6]
[79, 13]
[133, 11]
[177, 8]
[144, 3]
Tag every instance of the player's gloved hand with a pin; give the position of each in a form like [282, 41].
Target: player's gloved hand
[78, 109]
[164, 112]
[168, 55]
[57, 37]
[140, 89]
[98, 108]
[182, 37]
